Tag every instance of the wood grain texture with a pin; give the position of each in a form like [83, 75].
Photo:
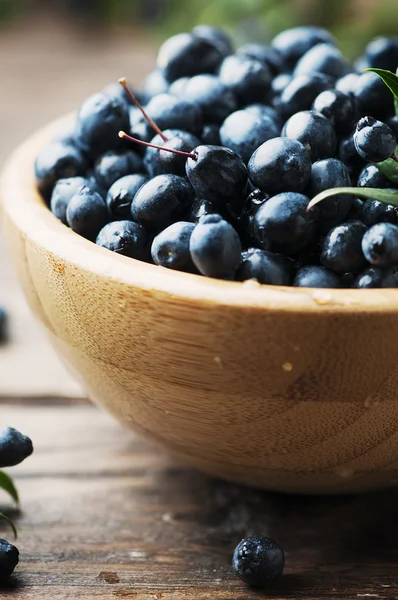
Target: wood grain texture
[107, 516]
[290, 389]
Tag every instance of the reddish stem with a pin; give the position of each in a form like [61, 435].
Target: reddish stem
[394, 158]
[125, 136]
[123, 83]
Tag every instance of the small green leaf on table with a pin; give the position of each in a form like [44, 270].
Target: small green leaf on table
[11, 524]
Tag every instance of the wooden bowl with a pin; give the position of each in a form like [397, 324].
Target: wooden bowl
[293, 390]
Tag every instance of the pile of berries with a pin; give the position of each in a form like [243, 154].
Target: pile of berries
[223, 154]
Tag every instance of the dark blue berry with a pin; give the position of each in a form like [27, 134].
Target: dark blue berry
[262, 110]
[57, 161]
[9, 558]
[370, 176]
[99, 121]
[124, 237]
[121, 195]
[87, 213]
[267, 267]
[177, 88]
[185, 55]
[300, 93]
[170, 112]
[154, 84]
[215, 36]
[3, 325]
[279, 83]
[374, 140]
[63, 191]
[373, 96]
[347, 84]
[214, 99]
[293, 43]
[355, 210]
[382, 52]
[170, 248]
[65, 132]
[243, 132]
[265, 54]
[390, 278]
[255, 199]
[325, 174]
[112, 166]
[314, 131]
[313, 276]
[372, 277]
[201, 208]
[14, 447]
[280, 165]
[380, 244]
[283, 223]
[392, 122]
[211, 135]
[374, 212]
[341, 109]
[258, 561]
[247, 78]
[322, 58]
[115, 90]
[215, 247]
[217, 174]
[348, 154]
[161, 201]
[158, 162]
[342, 248]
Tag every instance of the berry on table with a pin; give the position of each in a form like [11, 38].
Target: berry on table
[9, 558]
[258, 561]
[374, 140]
[14, 447]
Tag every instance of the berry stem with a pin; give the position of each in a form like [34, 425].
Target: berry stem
[125, 136]
[394, 157]
[123, 83]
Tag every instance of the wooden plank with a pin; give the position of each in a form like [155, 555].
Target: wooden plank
[107, 516]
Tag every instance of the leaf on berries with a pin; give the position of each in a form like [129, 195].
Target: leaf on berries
[391, 81]
[389, 168]
[11, 524]
[387, 196]
[7, 485]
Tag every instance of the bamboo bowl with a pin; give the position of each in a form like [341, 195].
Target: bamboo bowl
[293, 390]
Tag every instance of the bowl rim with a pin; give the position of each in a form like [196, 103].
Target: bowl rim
[23, 206]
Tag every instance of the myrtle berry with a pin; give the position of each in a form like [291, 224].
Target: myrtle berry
[322, 58]
[300, 93]
[382, 52]
[211, 135]
[159, 162]
[266, 267]
[342, 248]
[215, 100]
[371, 176]
[374, 140]
[243, 132]
[372, 277]
[314, 276]
[57, 161]
[124, 237]
[14, 447]
[313, 130]
[87, 213]
[341, 109]
[293, 43]
[373, 96]
[325, 174]
[170, 248]
[112, 166]
[63, 191]
[258, 560]
[9, 558]
[121, 194]
[374, 212]
[380, 244]
[215, 36]
[169, 112]
[215, 247]
[248, 78]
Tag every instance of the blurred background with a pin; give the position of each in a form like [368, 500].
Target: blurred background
[53, 53]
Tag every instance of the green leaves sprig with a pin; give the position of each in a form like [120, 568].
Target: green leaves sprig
[388, 167]
[8, 486]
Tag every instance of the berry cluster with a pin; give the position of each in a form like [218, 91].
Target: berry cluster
[223, 154]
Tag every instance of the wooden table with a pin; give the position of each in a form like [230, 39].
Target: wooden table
[107, 516]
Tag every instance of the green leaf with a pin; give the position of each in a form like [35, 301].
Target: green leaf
[11, 524]
[389, 168]
[7, 484]
[389, 79]
[387, 196]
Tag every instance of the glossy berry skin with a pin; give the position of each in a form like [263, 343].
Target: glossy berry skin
[293, 43]
[370, 176]
[121, 194]
[325, 174]
[380, 244]
[374, 140]
[158, 162]
[347, 84]
[214, 99]
[57, 161]
[124, 237]
[112, 166]
[373, 96]
[390, 278]
[211, 135]
[63, 191]
[248, 78]
[314, 131]
[341, 109]
[170, 112]
[216, 36]
[201, 208]
[170, 248]
[280, 165]
[392, 122]
[99, 120]
[177, 88]
[9, 558]
[154, 84]
[14, 447]
[217, 174]
[215, 247]
[87, 213]
[342, 248]
[314, 276]
[258, 561]
[348, 154]
[262, 110]
[382, 52]
[300, 93]
[3, 325]
[372, 277]
[283, 223]
[322, 58]
[161, 201]
[374, 212]
[266, 267]
[243, 132]
[279, 83]
[265, 54]
[255, 199]
[185, 55]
